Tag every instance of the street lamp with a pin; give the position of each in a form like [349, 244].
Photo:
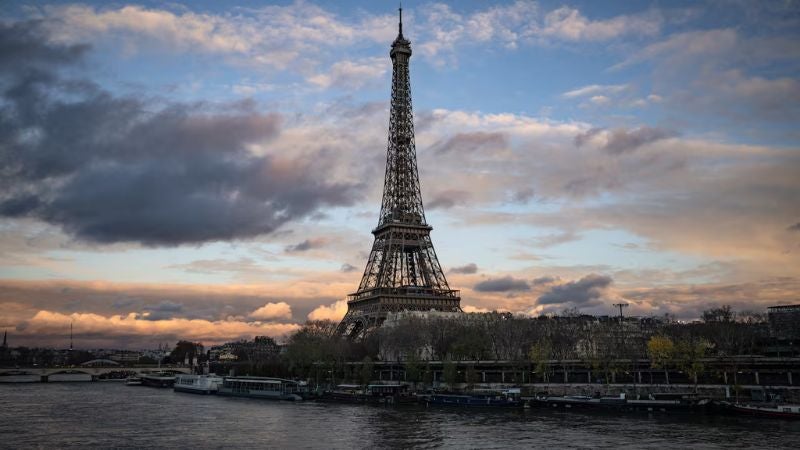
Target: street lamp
[620, 306]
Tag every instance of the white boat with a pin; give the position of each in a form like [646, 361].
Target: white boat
[197, 384]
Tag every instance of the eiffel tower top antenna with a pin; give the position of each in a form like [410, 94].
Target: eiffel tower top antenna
[401, 18]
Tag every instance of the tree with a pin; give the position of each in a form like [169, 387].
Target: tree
[311, 344]
[690, 354]
[470, 376]
[366, 370]
[661, 351]
[539, 355]
[186, 350]
[723, 313]
[413, 371]
[449, 373]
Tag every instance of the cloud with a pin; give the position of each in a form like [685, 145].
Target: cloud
[25, 45]
[688, 301]
[795, 227]
[351, 74]
[447, 199]
[620, 140]
[504, 284]
[164, 310]
[545, 280]
[468, 269]
[209, 302]
[347, 268]
[305, 246]
[93, 329]
[136, 172]
[521, 23]
[586, 291]
[334, 311]
[551, 240]
[279, 37]
[595, 89]
[474, 309]
[569, 24]
[471, 142]
[273, 311]
[727, 73]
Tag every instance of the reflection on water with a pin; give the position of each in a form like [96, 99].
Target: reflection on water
[110, 414]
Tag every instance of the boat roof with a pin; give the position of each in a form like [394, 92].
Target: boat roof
[260, 380]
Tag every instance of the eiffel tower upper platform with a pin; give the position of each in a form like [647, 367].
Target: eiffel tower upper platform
[403, 272]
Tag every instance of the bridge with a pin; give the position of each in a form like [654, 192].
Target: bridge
[95, 372]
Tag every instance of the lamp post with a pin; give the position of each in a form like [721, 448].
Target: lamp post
[620, 306]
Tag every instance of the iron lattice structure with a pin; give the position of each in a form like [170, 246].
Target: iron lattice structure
[403, 272]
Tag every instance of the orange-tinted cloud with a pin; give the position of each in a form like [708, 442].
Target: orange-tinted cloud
[334, 311]
[280, 310]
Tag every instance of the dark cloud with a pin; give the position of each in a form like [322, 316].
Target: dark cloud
[466, 269]
[108, 169]
[346, 268]
[795, 227]
[622, 141]
[581, 292]
[470, 142]
[24, 45]
[164, 310]
[544, 280]
[522, 196]
[504, 284]
[582, 138]
[304, 246]
[447, 199]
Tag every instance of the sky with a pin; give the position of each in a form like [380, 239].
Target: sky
[212, 170]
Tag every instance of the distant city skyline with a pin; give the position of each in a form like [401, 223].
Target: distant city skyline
[207, 172]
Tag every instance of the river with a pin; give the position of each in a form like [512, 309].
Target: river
[112, 415]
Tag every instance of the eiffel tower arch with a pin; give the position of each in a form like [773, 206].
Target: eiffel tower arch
[402, 272]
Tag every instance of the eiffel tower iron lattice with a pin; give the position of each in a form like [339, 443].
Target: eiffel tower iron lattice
[402, 272]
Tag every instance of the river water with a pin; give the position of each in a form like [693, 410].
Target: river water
[112, 415]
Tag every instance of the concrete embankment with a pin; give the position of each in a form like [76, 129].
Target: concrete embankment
[715, 391]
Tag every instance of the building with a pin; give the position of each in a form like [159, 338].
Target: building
[402, 272]
[784, 322]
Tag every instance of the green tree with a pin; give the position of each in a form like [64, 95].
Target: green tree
[662, 351]
[689, 355]
[539, 354]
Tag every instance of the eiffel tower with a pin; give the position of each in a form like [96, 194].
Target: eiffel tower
[402, 273]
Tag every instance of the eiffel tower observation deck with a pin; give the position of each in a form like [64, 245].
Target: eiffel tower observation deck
[403, 272]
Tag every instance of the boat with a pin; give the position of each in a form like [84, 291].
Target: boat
[653, 403]
[786, 411]
[158, 379]
[133, 381]
[197, 384]
[502, 398]
[262, 387]
[385, 394]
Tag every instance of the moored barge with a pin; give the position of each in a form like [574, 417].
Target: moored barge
[262, 387]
